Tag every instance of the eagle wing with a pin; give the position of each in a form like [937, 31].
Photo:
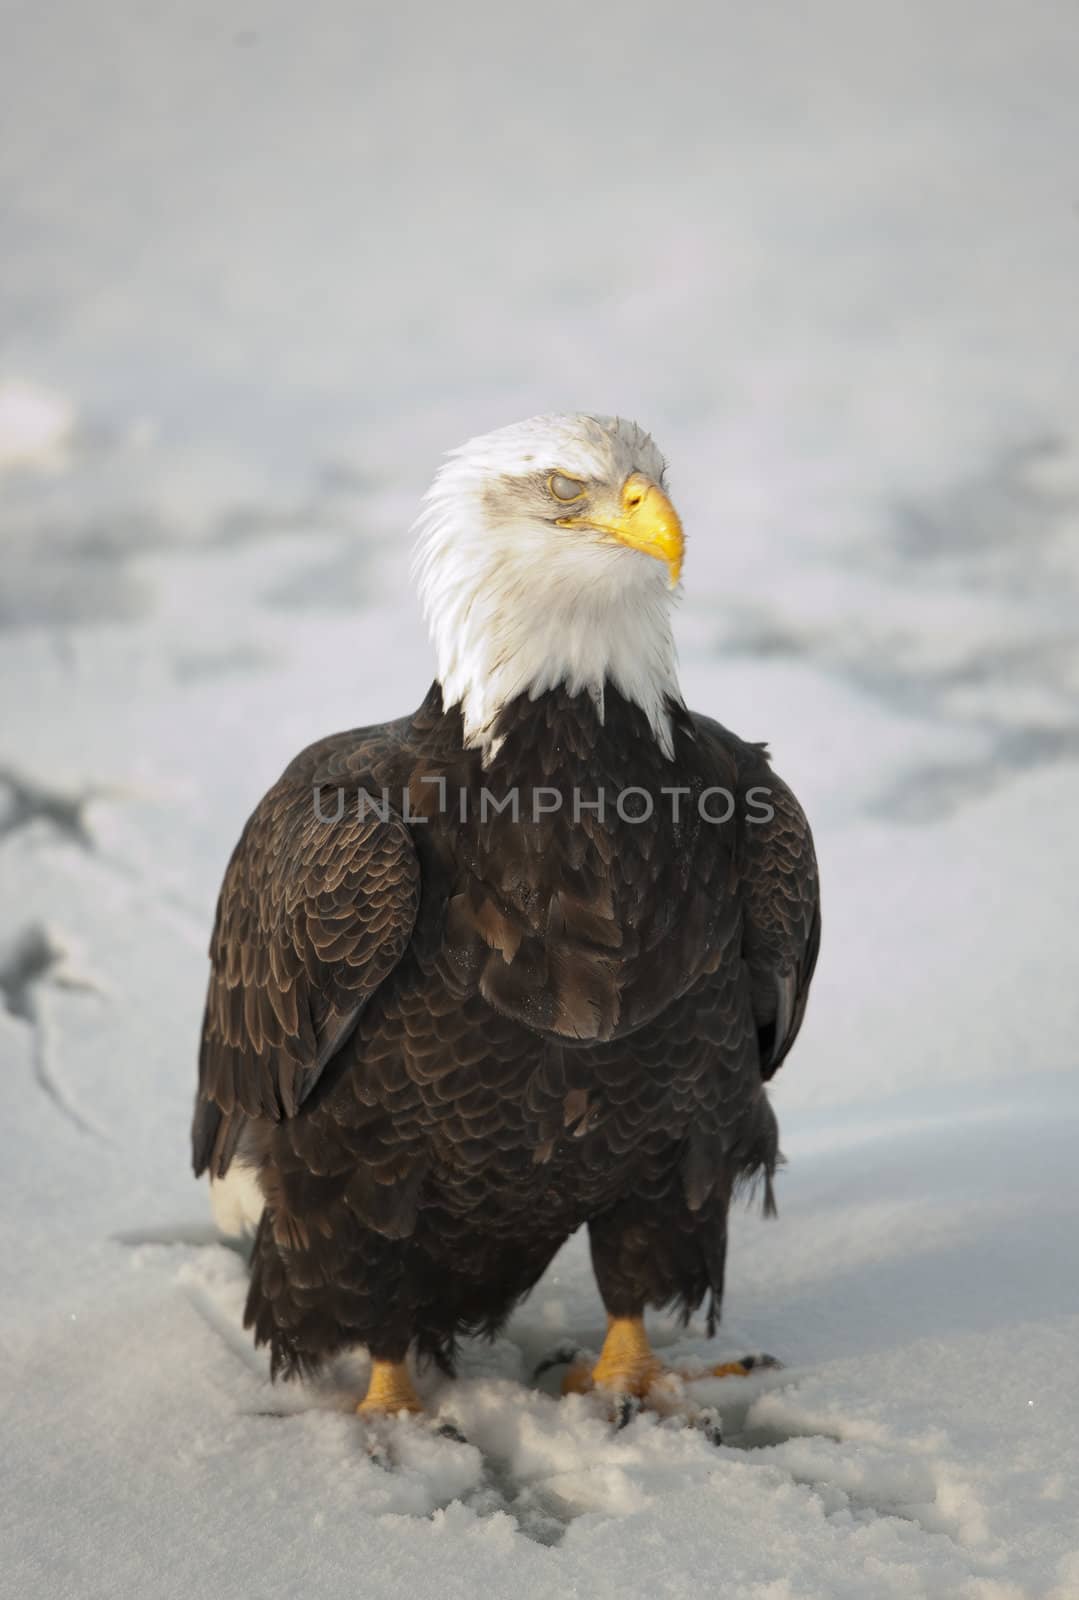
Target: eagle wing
[779, 891]
[781, 900]
[313, 916]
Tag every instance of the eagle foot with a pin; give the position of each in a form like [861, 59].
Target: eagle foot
[740, 1368]
[630, 1374]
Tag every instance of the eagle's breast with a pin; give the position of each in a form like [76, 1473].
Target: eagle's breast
[589, 888]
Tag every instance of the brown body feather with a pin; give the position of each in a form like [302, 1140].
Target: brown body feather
[446, 1043]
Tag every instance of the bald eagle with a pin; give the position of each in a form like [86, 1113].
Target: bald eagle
[521, 961]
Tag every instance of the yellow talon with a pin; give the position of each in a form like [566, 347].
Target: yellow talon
[389, 1391]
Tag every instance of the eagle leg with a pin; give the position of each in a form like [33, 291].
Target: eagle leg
[389, 1391]
[627, 1363]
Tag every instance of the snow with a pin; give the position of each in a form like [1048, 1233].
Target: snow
[260, 269]
[34, 427]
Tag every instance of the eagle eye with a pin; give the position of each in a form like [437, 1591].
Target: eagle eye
[564, 488]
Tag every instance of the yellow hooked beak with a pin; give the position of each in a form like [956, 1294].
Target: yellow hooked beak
[646, 521]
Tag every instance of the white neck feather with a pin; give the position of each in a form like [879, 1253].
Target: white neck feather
[505, 619]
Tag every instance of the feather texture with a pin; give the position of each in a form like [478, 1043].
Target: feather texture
[444, 1045]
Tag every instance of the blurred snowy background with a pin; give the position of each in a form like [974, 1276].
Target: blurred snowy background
[259, 267]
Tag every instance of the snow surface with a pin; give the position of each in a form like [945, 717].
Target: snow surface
[260, 266]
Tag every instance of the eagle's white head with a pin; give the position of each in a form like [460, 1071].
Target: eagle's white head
[547, 554]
